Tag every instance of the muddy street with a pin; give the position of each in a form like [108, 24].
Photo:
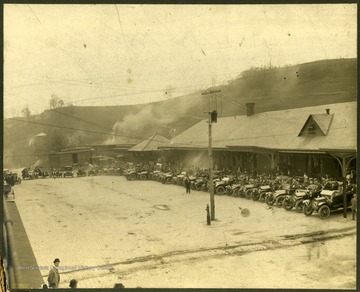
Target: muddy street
[107, 230]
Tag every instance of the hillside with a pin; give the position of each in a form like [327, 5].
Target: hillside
[315, 83]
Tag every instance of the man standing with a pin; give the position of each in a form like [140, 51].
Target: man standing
[54, 276]
[354, 206]
[187, 184]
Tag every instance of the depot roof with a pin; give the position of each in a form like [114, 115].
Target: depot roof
[151, 144]
[298, 129]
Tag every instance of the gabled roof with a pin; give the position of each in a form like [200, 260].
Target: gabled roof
[322, 123]
[277, 130]
[151, 144]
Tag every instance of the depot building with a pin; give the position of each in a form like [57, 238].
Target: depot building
[316, 140]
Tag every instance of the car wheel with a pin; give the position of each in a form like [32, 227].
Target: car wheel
[241, 193]
[143, 177]
[324, 212]
[248, 194]
[299, 205]
[255, 195]
[279, 201]
[220, 190]
[288, 205]
[308, 210]
[235, 193]
[198, 187]
[270, 200]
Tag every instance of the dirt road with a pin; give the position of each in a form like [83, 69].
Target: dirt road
[107, 230]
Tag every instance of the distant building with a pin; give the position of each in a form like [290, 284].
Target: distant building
[148, 150]
[80, 156]
[103, 153]
[297, 140]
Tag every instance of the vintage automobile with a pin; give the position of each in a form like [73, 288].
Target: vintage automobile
[41, 173]
[261, 193]
[56, 173]
[11, 177]
[143, 175]
[68, 172]
[296, 200]
[81, 172]
[27, 174]
[328, 201]
[180, 178]
[220, 186]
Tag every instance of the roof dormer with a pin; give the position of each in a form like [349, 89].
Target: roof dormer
[316, 125]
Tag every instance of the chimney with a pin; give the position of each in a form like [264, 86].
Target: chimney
[250, 108]
[328, 111]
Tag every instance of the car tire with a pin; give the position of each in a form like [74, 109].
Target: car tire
[241, 193]
[270, 200]
[255, 195]
[235, 193]
[248, 194]
[220, 190]
[308, 210]
[324, 212]
[299, 206]
[279, 201]
[288, 204]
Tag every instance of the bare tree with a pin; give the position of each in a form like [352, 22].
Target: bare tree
[56, 102]
[25, 112]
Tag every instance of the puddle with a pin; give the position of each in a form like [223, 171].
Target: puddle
[238, 233]
[162, 207]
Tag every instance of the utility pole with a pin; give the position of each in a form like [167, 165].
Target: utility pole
[212, 119]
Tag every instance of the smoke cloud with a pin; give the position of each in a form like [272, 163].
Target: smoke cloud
[136, 127]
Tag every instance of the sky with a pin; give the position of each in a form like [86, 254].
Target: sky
[110, 54]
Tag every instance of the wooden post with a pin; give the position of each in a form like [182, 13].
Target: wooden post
[211, 176]
[344, 185]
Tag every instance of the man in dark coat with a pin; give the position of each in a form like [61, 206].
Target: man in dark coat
[54, 276]
[187, 184]
[354, 206]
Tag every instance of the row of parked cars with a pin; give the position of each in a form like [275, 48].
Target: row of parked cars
[291, 193]
[29, 174]
[68, 171]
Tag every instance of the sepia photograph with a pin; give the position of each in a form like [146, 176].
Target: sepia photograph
[179, 146]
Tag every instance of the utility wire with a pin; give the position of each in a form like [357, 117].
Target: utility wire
[76, 129]
[81, 120]
[263, 113]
